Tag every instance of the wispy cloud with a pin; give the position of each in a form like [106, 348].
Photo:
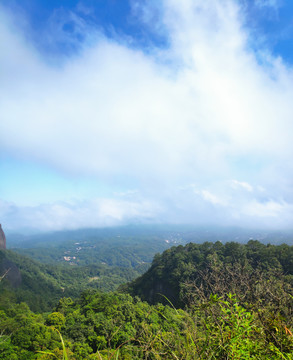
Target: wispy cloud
[241, 184]
[268, 3]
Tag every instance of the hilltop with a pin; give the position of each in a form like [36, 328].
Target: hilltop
[212, 266]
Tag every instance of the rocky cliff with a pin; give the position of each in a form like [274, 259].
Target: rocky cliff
[2, 239]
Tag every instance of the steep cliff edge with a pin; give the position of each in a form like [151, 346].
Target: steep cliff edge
[2, 239]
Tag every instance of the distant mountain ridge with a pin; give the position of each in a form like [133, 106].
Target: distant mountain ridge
[181, 234]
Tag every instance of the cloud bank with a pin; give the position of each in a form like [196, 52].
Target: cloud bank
[203, 126]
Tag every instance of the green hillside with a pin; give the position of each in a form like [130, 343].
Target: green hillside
[119, 246]
[42, 285]
[216, 267]
[232, 301]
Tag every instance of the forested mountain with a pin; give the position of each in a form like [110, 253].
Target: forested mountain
[220, 301]
[210, 265]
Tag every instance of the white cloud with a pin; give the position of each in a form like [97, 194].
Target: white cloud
[268, 3]
[241, 184]
[210, 197]
[74, 215]
[268, 209]
[164, 118]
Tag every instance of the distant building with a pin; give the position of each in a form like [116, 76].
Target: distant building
[2, 239]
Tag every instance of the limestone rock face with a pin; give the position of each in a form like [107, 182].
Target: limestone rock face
[2, 239]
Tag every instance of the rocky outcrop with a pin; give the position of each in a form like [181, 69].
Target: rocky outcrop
[2, 239]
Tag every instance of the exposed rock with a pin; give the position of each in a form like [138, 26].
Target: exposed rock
[2, 239]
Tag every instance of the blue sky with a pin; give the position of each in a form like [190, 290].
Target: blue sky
[114, 112]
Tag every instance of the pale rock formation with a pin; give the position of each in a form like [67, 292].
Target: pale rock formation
[2, 239]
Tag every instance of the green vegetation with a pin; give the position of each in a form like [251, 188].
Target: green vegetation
[131, 247]
[117, 326]
[42, 285]
[178, 267]
[209, 301]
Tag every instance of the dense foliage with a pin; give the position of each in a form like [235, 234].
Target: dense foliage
[116, 326]
[41, 285]
[232, 302]
[178, 266]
